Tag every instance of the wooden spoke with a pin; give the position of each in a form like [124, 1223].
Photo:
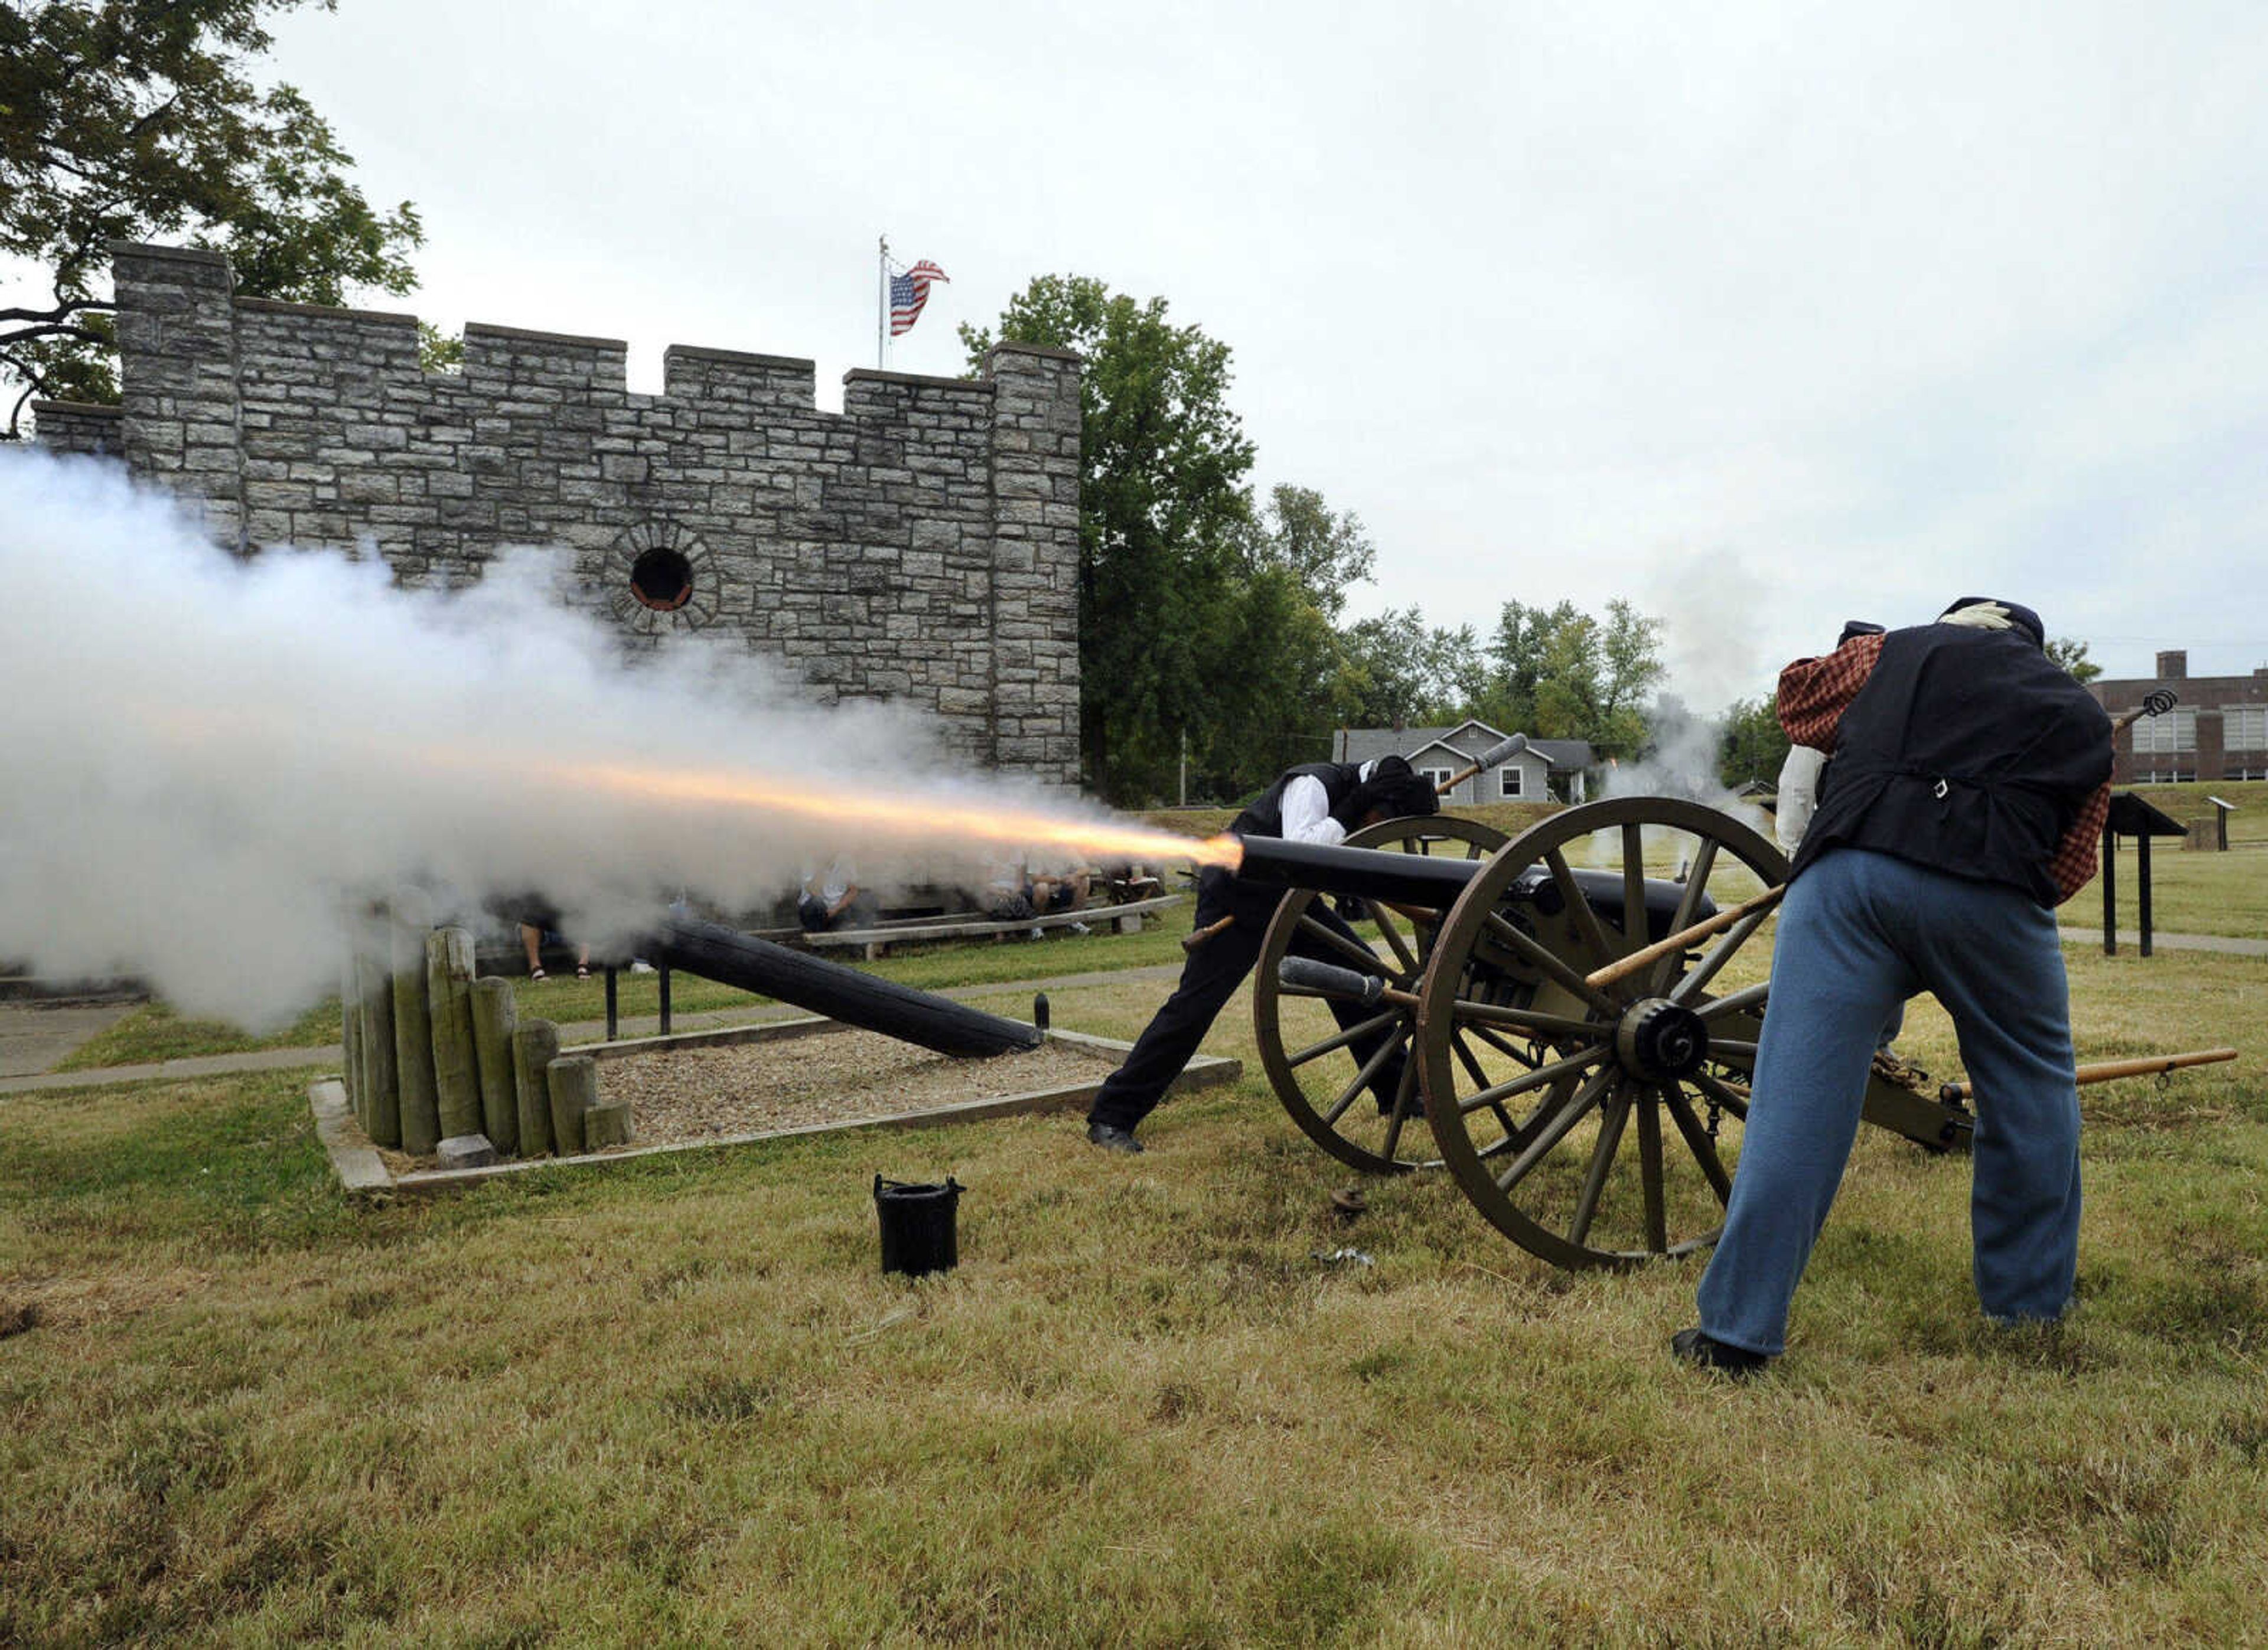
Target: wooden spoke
[1467, 1059]
[1635, 935]
[1361, 955]
[1512, 1130]
[1723, 1092]
[1536, 956]
[1529, 1081]
[1470, 1013]
[1649, 1171]
[1347, 1035]
[1502, 1045]
[1717, 956]
[1689, 904]
[1697, 1141]
[1612, 1117]
[1724, 1047]
[1738, 1002]
[1405, 959]
[1370, 1069]
[1552, 1132]
[1588, 929]
[1403, 1091]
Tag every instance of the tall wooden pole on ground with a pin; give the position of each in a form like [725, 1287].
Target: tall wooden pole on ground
[413, 1028]
[495, 1018]
[374, 979]
[456, 1064]
[534, 1045]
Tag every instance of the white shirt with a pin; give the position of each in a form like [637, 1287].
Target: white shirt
[1306, 809]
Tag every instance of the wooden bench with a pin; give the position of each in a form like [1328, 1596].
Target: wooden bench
[874, 942]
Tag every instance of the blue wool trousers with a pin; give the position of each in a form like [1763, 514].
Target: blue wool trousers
[1859, 933]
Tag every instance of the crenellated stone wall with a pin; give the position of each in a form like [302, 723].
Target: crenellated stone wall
[921, 545]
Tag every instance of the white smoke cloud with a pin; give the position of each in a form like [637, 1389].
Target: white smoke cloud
[203, 757]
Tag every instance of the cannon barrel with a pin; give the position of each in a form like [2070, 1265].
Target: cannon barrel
[1364, 873]
[1425, 879]
[826, 988]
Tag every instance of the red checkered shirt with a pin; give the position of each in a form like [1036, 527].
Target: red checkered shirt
[1814, 692]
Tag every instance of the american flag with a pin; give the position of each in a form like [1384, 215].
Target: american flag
[908, 293]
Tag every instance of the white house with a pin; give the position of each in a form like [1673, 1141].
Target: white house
[1549, 769]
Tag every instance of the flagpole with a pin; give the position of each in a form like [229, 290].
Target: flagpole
[882, 304]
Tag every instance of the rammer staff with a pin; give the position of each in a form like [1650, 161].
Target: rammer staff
[2111, 1071]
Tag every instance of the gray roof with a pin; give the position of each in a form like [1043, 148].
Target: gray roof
[1471, 737]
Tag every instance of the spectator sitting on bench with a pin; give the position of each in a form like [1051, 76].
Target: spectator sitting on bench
[831, 898]
[1007, 891]
[1058, 884]
[532, 936]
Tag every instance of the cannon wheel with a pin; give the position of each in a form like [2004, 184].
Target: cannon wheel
[1607, 1138]
[1319, 1080]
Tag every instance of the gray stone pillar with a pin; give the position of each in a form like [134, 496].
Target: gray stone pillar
[177, 375]
[1035, 467]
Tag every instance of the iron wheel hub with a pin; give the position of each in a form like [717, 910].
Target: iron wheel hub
[1657, 1040]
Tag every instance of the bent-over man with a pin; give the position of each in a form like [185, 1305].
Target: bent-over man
[1318, 802]
[1968, 787]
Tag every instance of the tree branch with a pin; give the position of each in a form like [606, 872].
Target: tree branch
[68, 307]
[27, 334]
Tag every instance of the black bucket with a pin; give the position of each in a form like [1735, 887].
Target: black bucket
[917, 1225]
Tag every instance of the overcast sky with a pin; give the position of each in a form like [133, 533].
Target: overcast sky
[1764, 315]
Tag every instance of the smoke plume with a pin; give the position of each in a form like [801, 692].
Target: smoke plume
[204, 757]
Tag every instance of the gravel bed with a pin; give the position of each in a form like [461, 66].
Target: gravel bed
[682, 1096]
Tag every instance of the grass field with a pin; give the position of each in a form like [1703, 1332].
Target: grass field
[673, 1402]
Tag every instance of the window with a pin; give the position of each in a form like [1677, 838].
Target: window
[2166, 735]
[2245, 727]
[1438, 776]
[1512, 782]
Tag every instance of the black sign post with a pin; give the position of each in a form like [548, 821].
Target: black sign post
[2130, 816]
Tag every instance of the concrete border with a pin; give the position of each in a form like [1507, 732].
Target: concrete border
[361, 1171]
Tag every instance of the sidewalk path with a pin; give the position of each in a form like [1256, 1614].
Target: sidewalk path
[2130, 938]
[15, 1079]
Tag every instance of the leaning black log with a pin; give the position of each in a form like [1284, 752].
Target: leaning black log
[840, 994]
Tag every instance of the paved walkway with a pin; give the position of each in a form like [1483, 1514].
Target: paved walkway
[2130, 940]
[33, 1035]
[55, 1041]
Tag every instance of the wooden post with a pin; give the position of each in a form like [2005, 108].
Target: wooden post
[574, 1083]
[2142, 884]
[604, 1123]
[383, 1122]
[449, 995]
[351, 1014]
[413, 1030]
[495, 1018]
[533, 1047]
[2110, 892]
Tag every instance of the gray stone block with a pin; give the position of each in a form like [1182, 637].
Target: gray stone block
[466, 1151]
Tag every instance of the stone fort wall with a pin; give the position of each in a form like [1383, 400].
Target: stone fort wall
[922, 545]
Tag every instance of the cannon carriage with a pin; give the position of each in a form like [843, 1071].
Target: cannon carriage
[1586, 1097]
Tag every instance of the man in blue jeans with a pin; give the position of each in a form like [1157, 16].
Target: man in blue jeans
[1968, 786]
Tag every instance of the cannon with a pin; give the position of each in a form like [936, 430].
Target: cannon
[1574, 1011]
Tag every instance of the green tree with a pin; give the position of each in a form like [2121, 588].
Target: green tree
[1281, 668]
[1518, 661]
[2070, 654]
[1298, 534]
[133, 119]
[1161, 520]
[1595, 677]
[1752, 744]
